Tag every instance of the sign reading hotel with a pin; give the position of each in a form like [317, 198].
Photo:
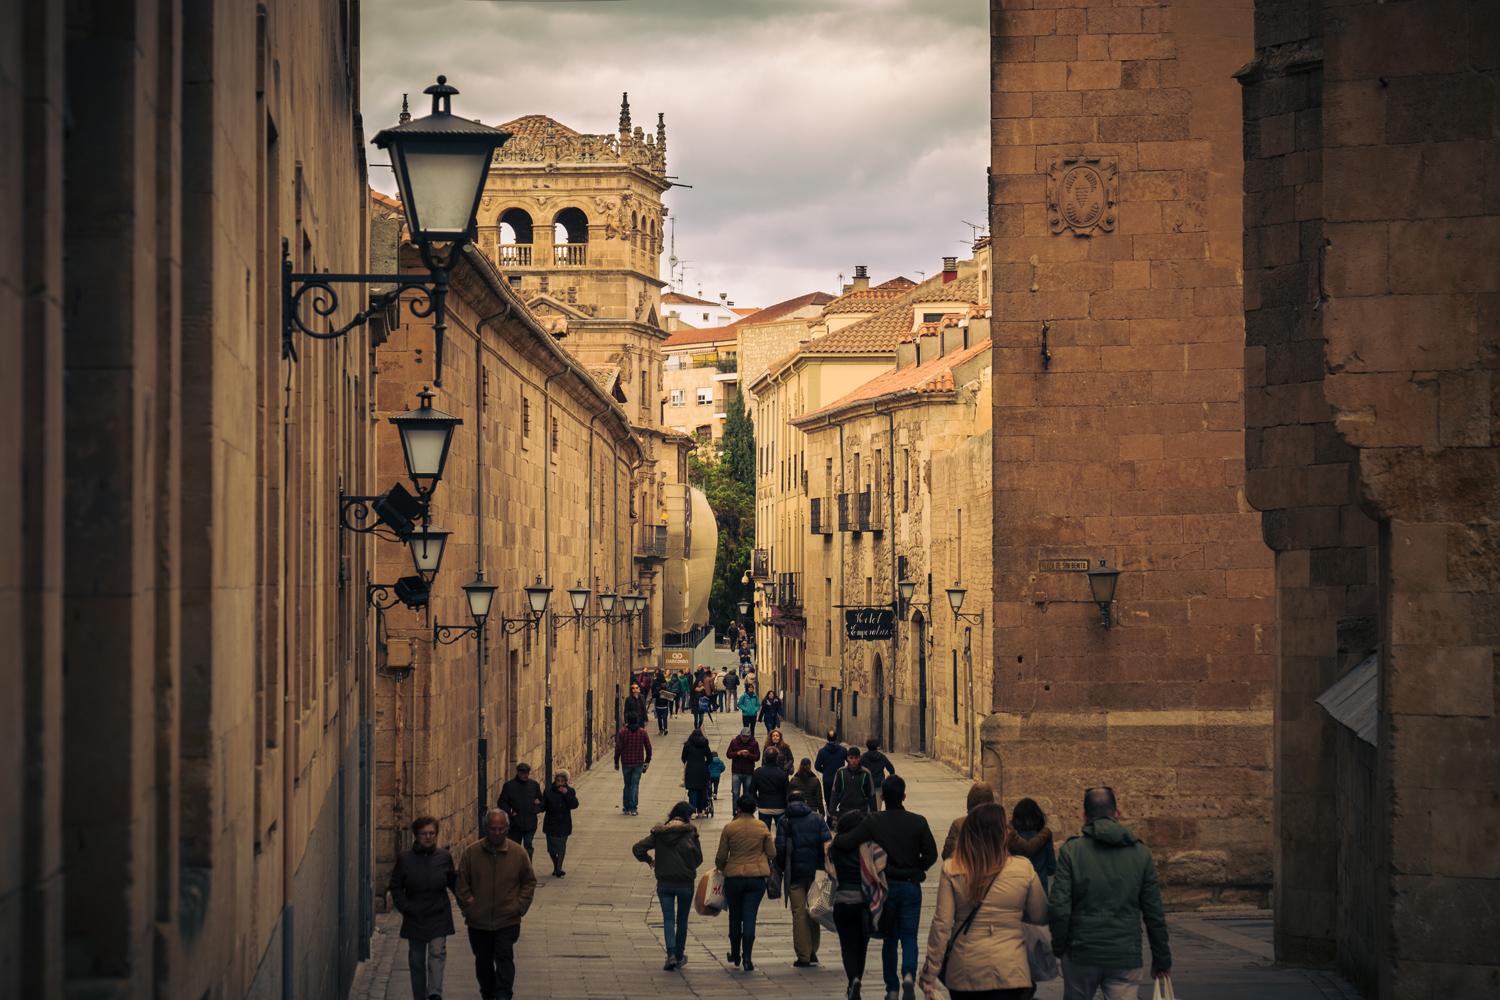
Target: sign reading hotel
[869, 624]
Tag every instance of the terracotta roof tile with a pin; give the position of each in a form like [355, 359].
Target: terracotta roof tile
[781, 310]
[964, 289]
[677, 298]
[693, 335]
[933, 377]
[535, 127]
[870, 299]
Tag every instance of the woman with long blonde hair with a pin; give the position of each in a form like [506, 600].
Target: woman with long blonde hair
[976, 946]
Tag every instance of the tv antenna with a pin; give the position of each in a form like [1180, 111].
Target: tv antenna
[974, 229]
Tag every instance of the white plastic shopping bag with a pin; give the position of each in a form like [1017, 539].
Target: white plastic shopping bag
[1163, 990]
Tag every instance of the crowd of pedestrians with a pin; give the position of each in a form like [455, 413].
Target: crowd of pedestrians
[834, 838]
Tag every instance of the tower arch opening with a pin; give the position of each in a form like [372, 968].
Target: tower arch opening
[570, 237]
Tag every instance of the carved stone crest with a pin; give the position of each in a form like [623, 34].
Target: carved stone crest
[1081, 194]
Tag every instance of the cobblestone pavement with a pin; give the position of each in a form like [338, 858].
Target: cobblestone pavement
[597, 932]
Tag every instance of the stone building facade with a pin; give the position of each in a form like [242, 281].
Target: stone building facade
[852, 340]
[538, 484]
[1372, 310]
[701, 377]
[1118, 389]
[187, 672]
[906, 458]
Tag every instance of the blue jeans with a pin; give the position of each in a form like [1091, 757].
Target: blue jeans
[632, 786]
[742, 896]
[740, 786]
[674, 924]
[905, 903]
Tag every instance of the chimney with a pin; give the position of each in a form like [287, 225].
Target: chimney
[950, 269]
[906, 353]
[861, 278]
[954, 338]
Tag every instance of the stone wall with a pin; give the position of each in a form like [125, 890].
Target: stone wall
[189, 683]
[1115, 218]
[1373, 225]
[543, 490]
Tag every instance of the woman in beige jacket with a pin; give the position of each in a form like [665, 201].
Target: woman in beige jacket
[988, 958]
[746, 850]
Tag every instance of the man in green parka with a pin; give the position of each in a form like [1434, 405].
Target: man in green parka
[1105, 887]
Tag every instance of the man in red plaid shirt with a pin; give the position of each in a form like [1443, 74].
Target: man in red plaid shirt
[633, 751]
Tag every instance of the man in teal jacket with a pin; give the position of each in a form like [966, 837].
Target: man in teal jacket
[1105, 887]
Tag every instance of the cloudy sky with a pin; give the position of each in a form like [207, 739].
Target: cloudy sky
[817, 134]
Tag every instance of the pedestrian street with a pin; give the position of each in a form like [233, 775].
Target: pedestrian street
[597, 932]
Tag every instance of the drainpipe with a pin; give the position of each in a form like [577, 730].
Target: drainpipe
[588, 734]
[288, 754]
[546, 635]
[481, 732]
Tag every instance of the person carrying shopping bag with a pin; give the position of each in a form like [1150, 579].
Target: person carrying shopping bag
[746, 850]
[801, 836]
[976, 946]
[673, 853]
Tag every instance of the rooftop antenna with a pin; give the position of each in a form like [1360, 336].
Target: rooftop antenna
[974, 229]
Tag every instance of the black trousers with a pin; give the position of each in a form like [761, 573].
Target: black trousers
[852, 921]
[495, 961]
[524, 838]
[1021, 993]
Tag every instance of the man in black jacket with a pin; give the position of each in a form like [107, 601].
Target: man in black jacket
[879, 766]
[909, 852]
[419, 890]
[830, 758]
[521, 800]
[853, 788]
[635, 706]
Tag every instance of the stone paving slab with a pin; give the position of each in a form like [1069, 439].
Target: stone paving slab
[597, 932]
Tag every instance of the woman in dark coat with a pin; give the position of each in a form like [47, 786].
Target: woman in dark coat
[558, 803]
[419, 887]
[696, 754]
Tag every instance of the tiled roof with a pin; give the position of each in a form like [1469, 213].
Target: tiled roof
[964, 289]
[692, 335]
[745, 311]
[870, 299]
[607, 377]
[677, 298]
[385, 199]
[535, 127]
[781, 310]
[934, 376]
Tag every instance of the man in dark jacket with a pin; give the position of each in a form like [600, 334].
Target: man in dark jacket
[743, 753]
[635, 706]
[879, 766]
[633, 753]
[800, 838]
[853, 788]
[1105, 887]
[419, 890]
[696, 753]
[769, 786]
[678, 855]
[827, 763]
[909, 852]
[521, 798]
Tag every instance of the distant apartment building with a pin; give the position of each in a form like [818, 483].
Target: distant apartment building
[679, 310]
[700, 377]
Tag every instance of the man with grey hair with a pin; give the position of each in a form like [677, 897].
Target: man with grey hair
[495, 889]
[1105, 887]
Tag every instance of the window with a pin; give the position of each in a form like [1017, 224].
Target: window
[828, 618]
[854, 704]
[879, 476]
[905, 479]
[955, 685]
[828, 477]
[705, 317]
[856, 473]
[932, 317]
[525, 420]
[678, 398]
[555, 437]
[514, 279]
[705, 397]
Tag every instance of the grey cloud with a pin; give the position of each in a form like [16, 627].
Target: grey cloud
[817, 133]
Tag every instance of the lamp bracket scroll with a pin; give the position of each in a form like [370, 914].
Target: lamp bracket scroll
[447, 635]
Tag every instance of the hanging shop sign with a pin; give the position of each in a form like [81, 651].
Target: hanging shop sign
[869, 624]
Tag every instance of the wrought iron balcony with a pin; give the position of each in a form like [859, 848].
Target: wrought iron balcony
[789, 591]
[761, 564]
[821, 518]
[846, 511]
[868, 511]
[653, 542]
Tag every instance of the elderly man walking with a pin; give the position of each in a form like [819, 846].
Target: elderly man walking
[495, 889]
[1105, 887]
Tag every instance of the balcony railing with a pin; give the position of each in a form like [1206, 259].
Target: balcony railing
[868, 512]
[760, 564]
[653, 541]
[515, 255]
[570, 254]
[789, 591]
[822, 516]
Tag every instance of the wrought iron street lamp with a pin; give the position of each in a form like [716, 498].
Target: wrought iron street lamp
[537, 597]
[426, 435]
[956, 595]
[440, 163]
[1102, 581]
[744, 608]
[480, 596]
[427, 547]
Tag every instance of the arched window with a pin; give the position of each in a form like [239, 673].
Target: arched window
[635, 230]
[570, 234]
[515, 226]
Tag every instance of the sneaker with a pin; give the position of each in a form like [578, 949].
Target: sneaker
[852, 993]
[908, 988]
[670, 965]
[561, 873]
[681, 960]
[799, 964]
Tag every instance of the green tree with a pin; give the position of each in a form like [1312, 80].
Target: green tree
[725, 472]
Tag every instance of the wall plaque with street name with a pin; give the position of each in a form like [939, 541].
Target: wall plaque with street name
[1063, 566]
[869, 624]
